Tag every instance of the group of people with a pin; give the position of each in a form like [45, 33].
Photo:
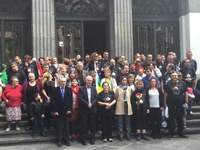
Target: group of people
[83, 95]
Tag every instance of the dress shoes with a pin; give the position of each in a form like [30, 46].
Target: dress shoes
[67, 143]
[83, 142]
[120, 138]
[92, 141]
[34, 136]
[158, 136]
[59, 144]
[28, 128]
[137, 137]
[143, 136]
[170, 136]
[128, 138]
[183, 136]
[44, 134]
[153, 136]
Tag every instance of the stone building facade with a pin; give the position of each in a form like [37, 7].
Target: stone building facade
[65, 28]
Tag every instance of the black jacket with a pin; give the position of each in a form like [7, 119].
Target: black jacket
[59, 104]
[36, 109]
[83, 100]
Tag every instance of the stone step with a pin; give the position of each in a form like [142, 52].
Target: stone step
[2, 110]
[193, 122]
[22, 131]
[4, 124]
[22, 139]
[195, 115]
[192, 130]
[196, 108]
[17, 139]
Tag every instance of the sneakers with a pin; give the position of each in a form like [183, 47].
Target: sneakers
[191, 113]
[110, 140]
[186, 128]
[104, 140]
[8, 129]
[18, 128]
[107, 140]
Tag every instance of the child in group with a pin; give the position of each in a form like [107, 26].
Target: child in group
[37, 115]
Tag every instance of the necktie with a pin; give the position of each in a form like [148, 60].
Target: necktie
[62, 92]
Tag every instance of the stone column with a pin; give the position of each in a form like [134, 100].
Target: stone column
[121, 29]
[189, 21]
[43, 28]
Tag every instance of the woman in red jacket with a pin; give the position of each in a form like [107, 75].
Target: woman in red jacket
[12, 94]
[74, 117]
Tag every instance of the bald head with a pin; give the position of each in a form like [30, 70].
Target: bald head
[63, 82]
[89, 80]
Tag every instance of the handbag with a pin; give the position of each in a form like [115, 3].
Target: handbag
[164, 120]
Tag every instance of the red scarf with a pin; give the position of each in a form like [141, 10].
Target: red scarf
[75, 92]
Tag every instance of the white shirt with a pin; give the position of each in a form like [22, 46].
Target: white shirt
[89, 94]
[154, 99]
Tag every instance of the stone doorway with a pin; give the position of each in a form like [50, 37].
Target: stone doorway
[95, 37]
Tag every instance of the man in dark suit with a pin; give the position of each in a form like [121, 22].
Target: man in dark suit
[88, 109]
[62, 106]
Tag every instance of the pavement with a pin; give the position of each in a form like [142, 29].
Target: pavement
[192, 143]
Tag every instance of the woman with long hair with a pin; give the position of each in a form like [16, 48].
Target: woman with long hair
[155, 104]
[48, 85]
[94, 63]
[72, 75]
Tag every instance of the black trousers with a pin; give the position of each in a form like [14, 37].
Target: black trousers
[62, 128]
[155, 121]
[47, 116]
[37, 123]
[176, 111]
[107, 125]
[29, 116]
[84, 119]
[74, 127]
